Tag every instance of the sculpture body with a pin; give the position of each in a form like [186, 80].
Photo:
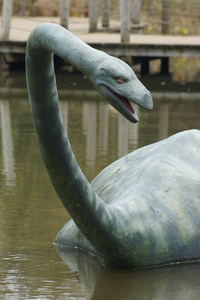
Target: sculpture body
[157, 215]
[142, 210]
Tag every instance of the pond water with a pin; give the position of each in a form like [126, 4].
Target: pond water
[31, 214]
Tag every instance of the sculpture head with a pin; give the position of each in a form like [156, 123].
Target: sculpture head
[117, 82]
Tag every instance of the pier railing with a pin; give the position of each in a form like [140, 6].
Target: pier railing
[176, 17]
[108, 25]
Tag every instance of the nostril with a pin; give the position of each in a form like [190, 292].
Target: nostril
[146, 96]
[148, 101]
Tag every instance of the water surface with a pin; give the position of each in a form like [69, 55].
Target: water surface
[31, 214]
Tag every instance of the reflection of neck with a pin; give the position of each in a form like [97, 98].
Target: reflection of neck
[69, 182]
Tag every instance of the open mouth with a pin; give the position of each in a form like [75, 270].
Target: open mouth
[121, 104]
[128, 105]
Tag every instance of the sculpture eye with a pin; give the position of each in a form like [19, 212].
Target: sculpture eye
[120, 80]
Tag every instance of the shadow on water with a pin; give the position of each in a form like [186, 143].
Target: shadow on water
[170, 282]
[31, 215]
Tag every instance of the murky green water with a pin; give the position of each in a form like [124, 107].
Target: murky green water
[31, 214]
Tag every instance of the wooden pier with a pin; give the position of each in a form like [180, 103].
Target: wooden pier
[141, 48]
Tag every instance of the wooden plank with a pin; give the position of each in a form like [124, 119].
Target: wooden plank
[151, 51]
[135, 50]
[12, 47]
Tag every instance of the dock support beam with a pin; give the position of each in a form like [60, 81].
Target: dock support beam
[7, 9]
[165, 65]
[145, 68]
[64, 13]
[125, 20]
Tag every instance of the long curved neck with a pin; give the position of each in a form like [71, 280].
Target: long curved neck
[75, 192]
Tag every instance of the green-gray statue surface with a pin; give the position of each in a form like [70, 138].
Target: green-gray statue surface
[144, 209]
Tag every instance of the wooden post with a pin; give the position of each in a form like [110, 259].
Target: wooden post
[105, 13]
[64, 13]
[23, 8]
[86, 8]
[93, 15]
[125, 20]
[7, 9]
[135, 11]
[166, 16]
[165, 30]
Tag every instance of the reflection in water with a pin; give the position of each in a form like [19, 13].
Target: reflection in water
[32, 215]
[163, 121]
[95, 116]
[89, 128]
[7, 142]
[103, 128]
[171, 282]
[127, 135]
